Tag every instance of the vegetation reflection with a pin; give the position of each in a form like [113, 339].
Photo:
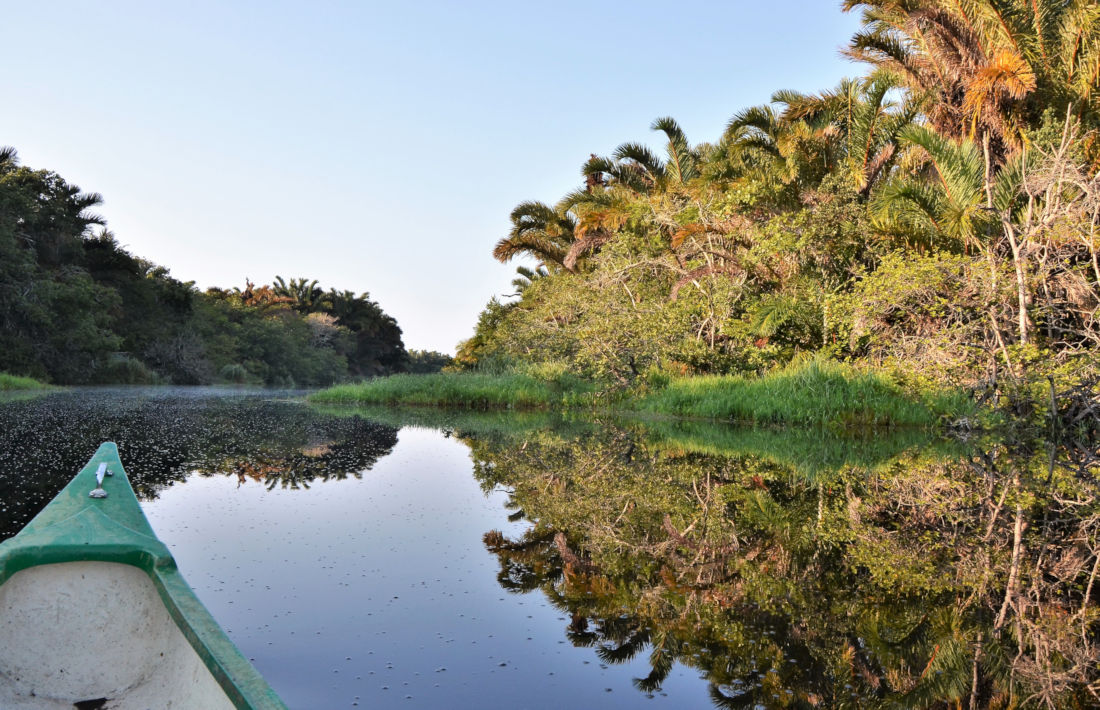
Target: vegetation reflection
[166, 435]
[898, 574]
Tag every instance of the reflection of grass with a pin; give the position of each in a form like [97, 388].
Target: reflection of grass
[814, 393]
[21, 395]
[15, 382]
[812, 452]
[461, 421]
[456, 389]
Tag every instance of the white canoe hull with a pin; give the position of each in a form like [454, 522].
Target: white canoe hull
[82, 631]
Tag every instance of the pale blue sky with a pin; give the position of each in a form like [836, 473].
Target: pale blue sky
[375, 146]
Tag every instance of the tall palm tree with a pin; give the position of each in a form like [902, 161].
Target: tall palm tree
[988, 68]
[637, 168]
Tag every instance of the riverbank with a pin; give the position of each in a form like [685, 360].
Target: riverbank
[814, 393]
[13, 383]
[465, 390]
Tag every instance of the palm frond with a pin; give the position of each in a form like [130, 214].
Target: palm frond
[9, 158]
[597, 165]
[909, 205]
[772, 312]
[541, 248]
[959, 165]
[643, 157]
[682, 160]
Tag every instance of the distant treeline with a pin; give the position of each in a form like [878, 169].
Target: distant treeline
[77, 308]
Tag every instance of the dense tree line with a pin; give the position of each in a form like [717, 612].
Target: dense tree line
[77, 308]
[936, 216]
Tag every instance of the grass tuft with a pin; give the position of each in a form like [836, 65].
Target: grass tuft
[16, 382]
[456, 389]
[817, 392]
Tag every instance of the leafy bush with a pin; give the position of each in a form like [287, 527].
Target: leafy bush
[235, 373]
[123, 369]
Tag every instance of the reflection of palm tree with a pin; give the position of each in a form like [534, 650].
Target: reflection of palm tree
[745, 693]
[792, 611]
[948, 671]
[623, 639]
[526, 564]
[661, 659]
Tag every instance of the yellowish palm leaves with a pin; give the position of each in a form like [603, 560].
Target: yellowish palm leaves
[988, 67]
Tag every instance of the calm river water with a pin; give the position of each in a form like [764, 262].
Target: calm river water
[421, 560]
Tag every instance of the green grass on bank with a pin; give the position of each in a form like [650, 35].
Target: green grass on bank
[15, 382]
[817, 392]
[457, 389]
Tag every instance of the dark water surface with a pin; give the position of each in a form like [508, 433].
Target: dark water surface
[417, 559]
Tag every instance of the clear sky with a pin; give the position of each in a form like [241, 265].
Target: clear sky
[375, 146]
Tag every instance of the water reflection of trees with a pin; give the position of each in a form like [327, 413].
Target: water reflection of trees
[166, 435]
[918, 579]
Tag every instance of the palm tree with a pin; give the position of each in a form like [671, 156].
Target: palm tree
[966, 205]
[637, 168]
[599, 213]
[307, 296]
[53, 215]
[954, 210]
[9, 159]
[613, 186]
[526, 277]
[987, 67]
[769, 156]
[539, 231]
[858, 122]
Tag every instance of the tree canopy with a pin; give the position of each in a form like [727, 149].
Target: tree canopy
[78, 308]
[936, 216]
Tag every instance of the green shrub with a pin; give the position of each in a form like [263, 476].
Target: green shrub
[15, 382]
[122, 369]
[235, 373]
